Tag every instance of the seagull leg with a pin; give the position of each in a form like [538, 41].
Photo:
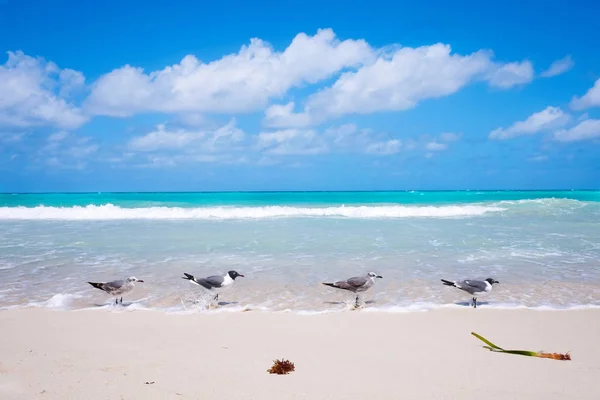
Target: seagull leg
[357, 303]
[217, 297]
[474, 302]
[121, 300]
[116, 301]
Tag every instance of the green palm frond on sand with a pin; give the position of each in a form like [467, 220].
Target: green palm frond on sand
[492, 347]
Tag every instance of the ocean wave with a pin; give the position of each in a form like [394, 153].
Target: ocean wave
[547, 201]
[548, 206]
[112, 212]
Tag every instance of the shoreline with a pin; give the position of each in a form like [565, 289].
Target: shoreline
[53, 354]
[338, 308]
[259, 293]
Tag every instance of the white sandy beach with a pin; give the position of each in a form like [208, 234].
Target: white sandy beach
[349, 355]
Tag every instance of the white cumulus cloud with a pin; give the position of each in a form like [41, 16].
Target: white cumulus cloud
[33, 93]
[224, 138]
[589, 100]
[365, 80]
[450, 137]
[163, 139]
[399, 80]
[384, 148]
[282, 115]
[438, 143]
[585, 130]
[549, 118]
[292, 141]
[558, 67]
[58, 136]
[240, 82]
[67, 151]
[511, 74]
[167, 146]
[436, 146]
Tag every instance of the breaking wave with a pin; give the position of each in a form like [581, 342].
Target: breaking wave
[112, 212]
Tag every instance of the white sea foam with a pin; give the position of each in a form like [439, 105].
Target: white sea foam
[65, 302]
[60, 301]
[549, 202]
[112, 212]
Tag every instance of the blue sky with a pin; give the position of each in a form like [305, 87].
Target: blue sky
[298, 95]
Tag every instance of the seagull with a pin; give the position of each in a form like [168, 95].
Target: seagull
[117, 288]
[356, 284]
[215, 283]
[474, 288]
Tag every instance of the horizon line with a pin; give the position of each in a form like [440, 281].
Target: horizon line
[302, 191]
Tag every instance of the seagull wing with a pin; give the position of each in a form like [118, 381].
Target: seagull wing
[211, 282]
[355, 282]
[113, 285]
[472, 286]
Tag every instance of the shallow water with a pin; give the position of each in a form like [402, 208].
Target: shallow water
[545, 251]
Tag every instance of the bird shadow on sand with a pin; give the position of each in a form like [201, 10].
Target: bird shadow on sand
[347, 302]
[227, 303]
[469, 304]
[209, 303]
[113, 305]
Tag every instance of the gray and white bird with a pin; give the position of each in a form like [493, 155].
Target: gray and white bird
[474, 288]
[215, 283]
[117, 288]
[357, 284]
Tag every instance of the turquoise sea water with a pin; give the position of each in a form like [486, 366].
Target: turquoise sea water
[206, 199]
[543, 246]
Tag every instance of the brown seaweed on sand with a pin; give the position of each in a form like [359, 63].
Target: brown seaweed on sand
[281, 367]
[555, 356]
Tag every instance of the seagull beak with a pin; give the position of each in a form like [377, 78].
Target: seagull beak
[496, 282]
[139, 280]
[379, 276]
[241, 275]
